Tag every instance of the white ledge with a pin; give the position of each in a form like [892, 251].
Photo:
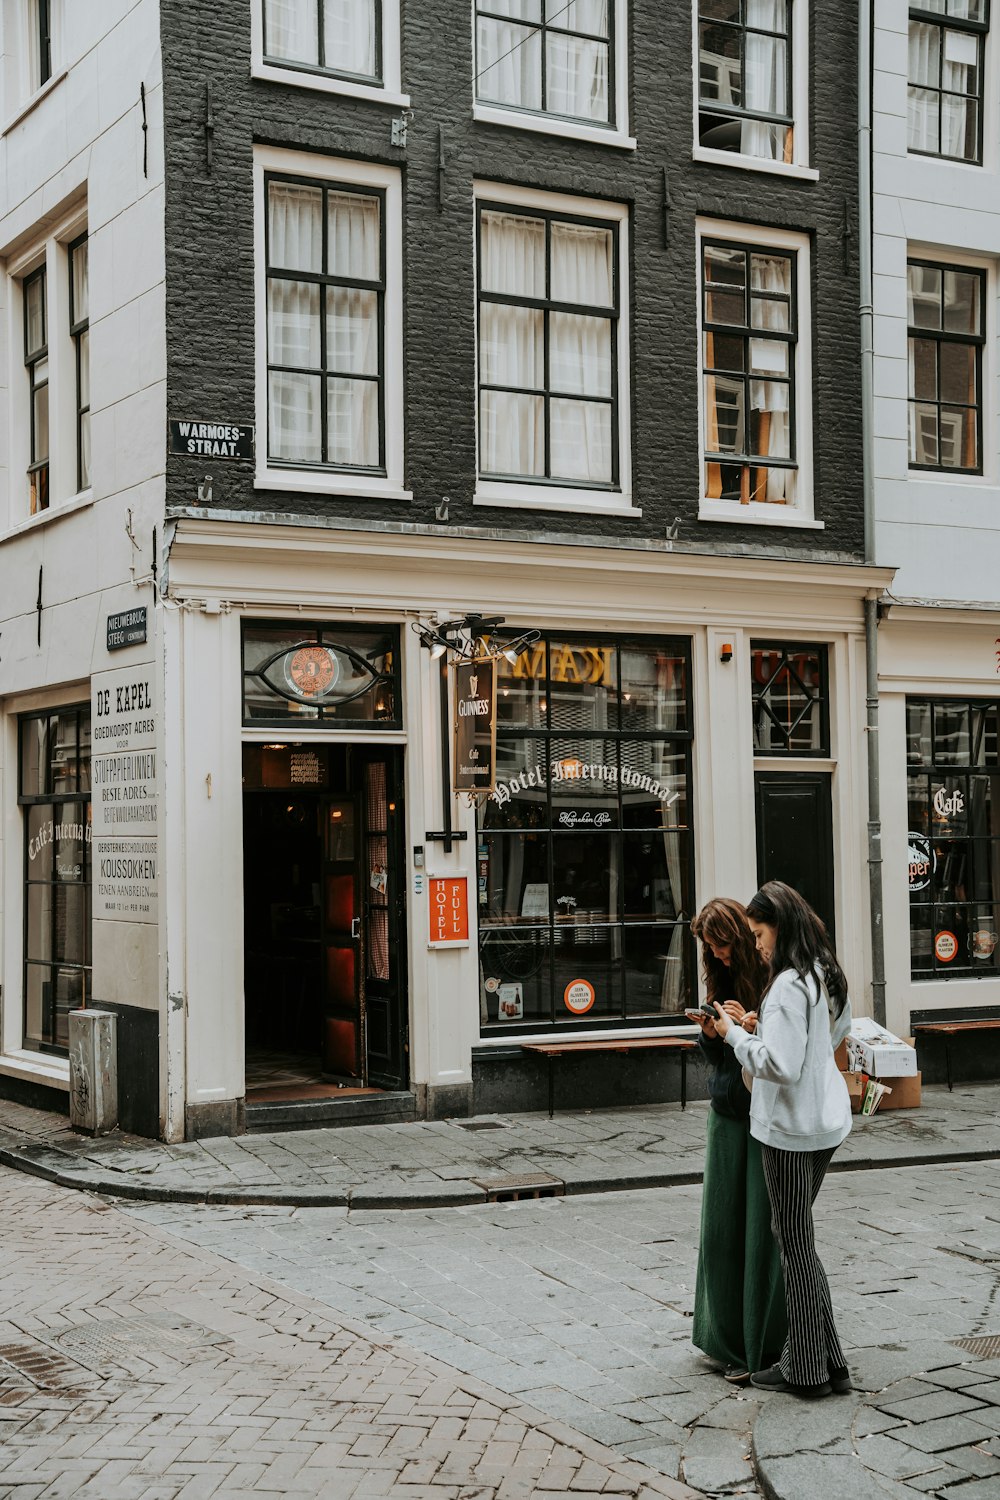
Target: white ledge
[45, 517]
[299, 481]
[517, 119]
[35, 100]
[512, 496]
[757, 515]
[324, 83]
[715, 158]
[36, 1067]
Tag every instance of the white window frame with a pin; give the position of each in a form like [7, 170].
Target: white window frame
[990, 394]
[20, 92]
[52, 252]
[529, 495]
[799, 165]
[764, 513]
[307, 479]
[389, 91]
[615, 133]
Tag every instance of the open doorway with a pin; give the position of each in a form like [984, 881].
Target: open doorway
[323, 919]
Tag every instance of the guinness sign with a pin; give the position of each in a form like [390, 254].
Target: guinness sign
[475, 726]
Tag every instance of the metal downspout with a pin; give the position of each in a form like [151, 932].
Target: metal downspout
[865, 81]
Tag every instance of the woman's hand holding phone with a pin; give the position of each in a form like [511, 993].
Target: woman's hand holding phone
[703, 1019]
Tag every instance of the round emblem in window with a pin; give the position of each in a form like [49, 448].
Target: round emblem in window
[311, 671]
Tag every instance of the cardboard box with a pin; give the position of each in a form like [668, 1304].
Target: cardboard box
[873, 1050]
[905, 1092]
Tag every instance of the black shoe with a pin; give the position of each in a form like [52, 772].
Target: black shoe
[773, 1380]
[840, 1380]
[737, 1375]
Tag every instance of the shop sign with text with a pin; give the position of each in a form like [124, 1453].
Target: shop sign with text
[475, 726]
[448, 905]
[125, 795]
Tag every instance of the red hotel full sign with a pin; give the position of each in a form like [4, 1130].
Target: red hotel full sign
[449, 909]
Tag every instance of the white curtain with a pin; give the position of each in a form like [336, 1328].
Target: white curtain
[509, 58]
[509, 63]
[295, 243]
[764, 80]
[770, 400]
[959, 65]
[349, 36]
[923, 101]
[292, 30]
[580, 353]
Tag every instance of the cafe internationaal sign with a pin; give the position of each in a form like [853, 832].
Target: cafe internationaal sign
[475, 726]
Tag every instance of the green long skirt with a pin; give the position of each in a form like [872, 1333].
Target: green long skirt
[739, 1299]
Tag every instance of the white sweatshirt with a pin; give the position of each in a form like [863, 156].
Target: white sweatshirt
[799, 1100]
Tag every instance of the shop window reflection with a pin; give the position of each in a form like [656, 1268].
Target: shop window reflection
[587, 833]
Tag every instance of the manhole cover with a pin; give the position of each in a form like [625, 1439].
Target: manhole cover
[121, 1340]
[986, 1347]
[512, 1187]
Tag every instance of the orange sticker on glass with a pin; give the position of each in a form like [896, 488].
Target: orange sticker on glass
[945, 947]
[579, 996]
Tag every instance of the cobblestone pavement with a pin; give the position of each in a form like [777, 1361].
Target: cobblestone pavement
[581, 1306]
[133, 1367]
[447, 1162]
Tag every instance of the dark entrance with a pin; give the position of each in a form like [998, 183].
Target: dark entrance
[324, 929]
[795, 835]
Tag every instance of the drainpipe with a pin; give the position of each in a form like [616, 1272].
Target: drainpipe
[865, 27]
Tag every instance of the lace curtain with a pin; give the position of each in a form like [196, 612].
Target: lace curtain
[292, 32]
[764, 80]
[512, 350]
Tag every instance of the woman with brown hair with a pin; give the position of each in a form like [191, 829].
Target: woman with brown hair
[739, 1303]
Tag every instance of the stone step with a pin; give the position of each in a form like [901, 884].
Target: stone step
[393, 1107]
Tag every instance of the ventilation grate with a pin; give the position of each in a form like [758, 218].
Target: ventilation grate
[986, 1347]
[34, 1367]
[481, 1124]
[512, 1188]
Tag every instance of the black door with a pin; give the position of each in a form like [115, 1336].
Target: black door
[379, 782]
[795, 835]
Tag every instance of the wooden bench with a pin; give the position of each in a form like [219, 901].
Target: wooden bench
[551, 1050]
[947, 1029]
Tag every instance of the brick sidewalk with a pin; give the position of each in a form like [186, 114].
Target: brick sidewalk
[133, 1367]
[443, 1163]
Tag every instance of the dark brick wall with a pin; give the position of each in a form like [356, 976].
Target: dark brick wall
[210, 259]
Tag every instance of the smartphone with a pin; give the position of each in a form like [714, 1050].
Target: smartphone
[703, 1010]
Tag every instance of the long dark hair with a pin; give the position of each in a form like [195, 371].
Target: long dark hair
[723, 923]
[802, 940]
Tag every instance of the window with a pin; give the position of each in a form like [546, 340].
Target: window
[334, 36]
[749, 337]
[329, 294]
[585, 854]
[55, 797]
[945, 95]
[347, 47]
[791, 699]
[953, 854]
[39, 43]
[325, 325]
[745, 102]
[550, 56]
[79, 328]
[296, 673]
[36, 359]
[945, 313]
[548, 348]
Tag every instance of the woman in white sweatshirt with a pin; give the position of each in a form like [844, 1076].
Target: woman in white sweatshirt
[800, 1112]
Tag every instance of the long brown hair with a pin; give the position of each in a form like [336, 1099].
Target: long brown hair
[723, 922]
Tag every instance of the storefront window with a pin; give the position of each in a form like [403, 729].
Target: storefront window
[297, 673]
[953, 854]
[585, 848]
[55, 796]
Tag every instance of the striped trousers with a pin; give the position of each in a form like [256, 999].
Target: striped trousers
[793, 1181]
